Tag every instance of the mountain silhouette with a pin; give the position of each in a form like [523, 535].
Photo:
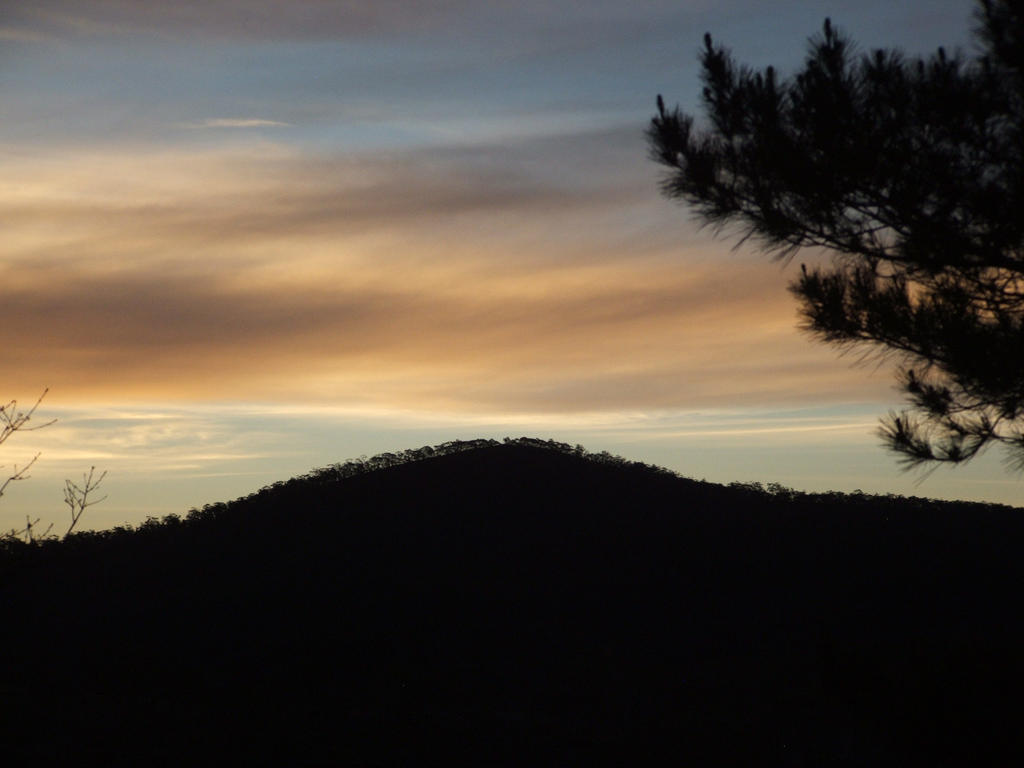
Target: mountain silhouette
[521, 603]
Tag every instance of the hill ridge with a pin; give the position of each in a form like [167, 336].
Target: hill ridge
[517, 602]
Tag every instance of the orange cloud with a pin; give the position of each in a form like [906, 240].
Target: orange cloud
[388, 281]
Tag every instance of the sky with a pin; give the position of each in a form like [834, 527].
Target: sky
[245, 239]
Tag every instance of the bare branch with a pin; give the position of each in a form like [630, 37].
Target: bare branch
[77, 497]
[11, 420]
[18, 474]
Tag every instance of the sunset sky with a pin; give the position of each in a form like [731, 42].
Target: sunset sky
[247, 238]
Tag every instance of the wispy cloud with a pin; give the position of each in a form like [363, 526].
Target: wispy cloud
[440, 280]
[20, 34]
[241, 122]
[238, 19]
[305, 19]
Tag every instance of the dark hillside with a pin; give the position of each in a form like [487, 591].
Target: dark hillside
[522, 603]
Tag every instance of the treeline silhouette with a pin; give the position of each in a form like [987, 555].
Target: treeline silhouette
[522, 602]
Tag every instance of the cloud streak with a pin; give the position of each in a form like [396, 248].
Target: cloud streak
[298, 19]
[492, 279]
[535, 341]
[241, 122]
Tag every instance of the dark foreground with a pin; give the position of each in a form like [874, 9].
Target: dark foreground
[522, 605]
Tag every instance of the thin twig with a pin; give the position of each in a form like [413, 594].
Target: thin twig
[76, 497]
[19, 474]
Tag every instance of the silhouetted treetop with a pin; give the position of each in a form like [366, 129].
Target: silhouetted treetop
[910, 171]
